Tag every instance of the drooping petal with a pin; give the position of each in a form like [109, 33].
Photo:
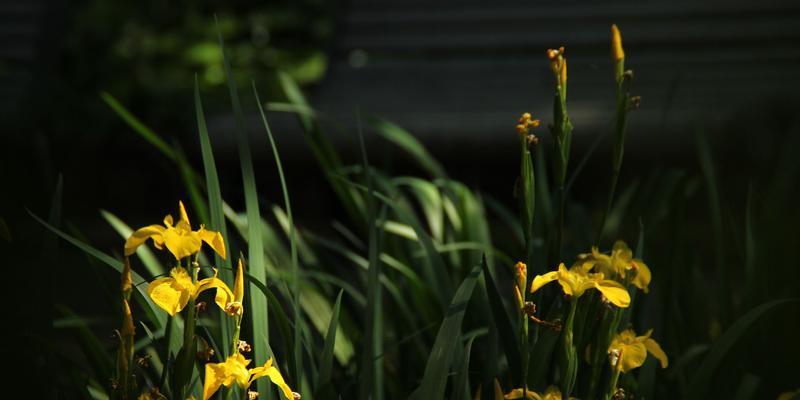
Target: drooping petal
[213, 239]
[643, 277]
[169, 294]
[655, 349]
[180, 242]
[569, 281]
[215, 376]
[274, 375]
[541, 280]
[224, 295]
[141, 235]
[517, 394]
[614, 292]
[632, 356]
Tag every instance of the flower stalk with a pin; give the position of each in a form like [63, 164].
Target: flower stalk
[562, 133]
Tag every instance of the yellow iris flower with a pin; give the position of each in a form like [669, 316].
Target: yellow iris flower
[174, 292]
[628, 351]
[552, 393]
[620, 263]
[576, 281]
[234, 370]
[179, 238]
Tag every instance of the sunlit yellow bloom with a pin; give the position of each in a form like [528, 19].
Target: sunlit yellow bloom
[576, 281]
[619, 264]
[789, 395]
[628, 351]
[233, 306]
[521, 280]
[558, 63]
[552, 393]
[616, 44]
[174, 292]
[234, 370]
[179, 238]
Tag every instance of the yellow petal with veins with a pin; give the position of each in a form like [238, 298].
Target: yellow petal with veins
[213, 239]
[654, 349]
[141, 235]
[541, 280]
[274, 375]
[614, 292]
[168, 294]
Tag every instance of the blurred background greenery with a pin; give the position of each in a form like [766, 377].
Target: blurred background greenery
[456, 76]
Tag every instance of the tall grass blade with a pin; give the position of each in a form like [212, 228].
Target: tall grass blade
[701, 383]
[326, 360]
[502, 322]
[292, 242]
[216, 214]
[371, 385]
[437, 368]
[144, 300]
[410, 145]
[715, 210]
[255, 245]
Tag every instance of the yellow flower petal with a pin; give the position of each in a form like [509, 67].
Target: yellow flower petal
[541, 280]
[614, 292]
[238, 283]
[655, 349]
[498, 391]
[215, 375]
[213, 239]
[224, 295]
[552, 393]
[632, 356]
[274, 375]
[170, 294]
[517, 394]
[616, 44]
[141, 235]
[181, 242]
[643, 276]
[570, 281]
[184, 216]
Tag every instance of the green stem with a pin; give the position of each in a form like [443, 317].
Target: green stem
[613, 384]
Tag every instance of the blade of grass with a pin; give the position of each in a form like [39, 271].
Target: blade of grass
[216, 213]
[410, 145]
[505, 329]
[434, 379]
[715, 209]
[144, 300]
[371, 387]
[255, 246]
[702, 381]
[326, 360]
[292, 241]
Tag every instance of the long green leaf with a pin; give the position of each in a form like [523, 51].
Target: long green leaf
[701, 382]
[410, 144]
[255, 247]
[502, 322]
[144, 299]
[371, 385]
[292, 243]
[326, 360]
[434, 379]
[215, 203]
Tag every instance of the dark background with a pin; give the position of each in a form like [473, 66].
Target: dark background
[455, 74]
